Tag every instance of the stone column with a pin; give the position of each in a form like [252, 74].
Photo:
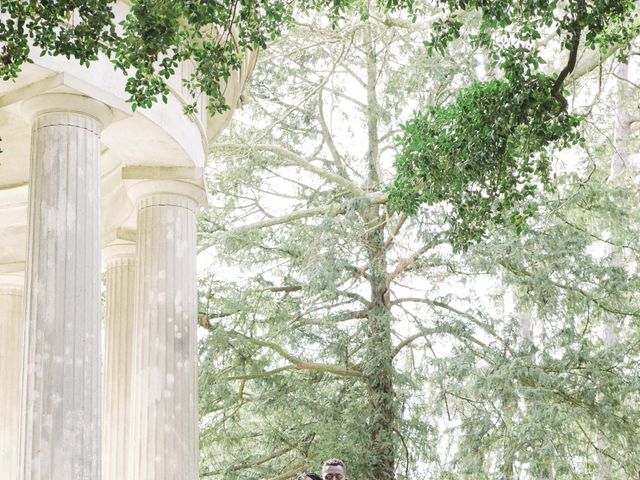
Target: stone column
[11, 331]
[120, 263]
[164, 379]
[60, 419]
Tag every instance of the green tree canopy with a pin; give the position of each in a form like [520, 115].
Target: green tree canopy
[487, 153]
[484, 154]
[151, 41]
[354, 330]
[307, 354]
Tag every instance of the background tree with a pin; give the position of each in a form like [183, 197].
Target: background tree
[356, 331]
[315, 342]
[560, 401]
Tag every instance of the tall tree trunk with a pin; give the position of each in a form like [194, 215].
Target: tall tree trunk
[617, 165]
[511, 310]
[379, 357]
[379, 361]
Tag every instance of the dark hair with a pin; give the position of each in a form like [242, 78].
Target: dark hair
[311, 475]
[335, 462]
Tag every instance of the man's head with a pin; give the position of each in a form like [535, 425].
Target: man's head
[334, 469]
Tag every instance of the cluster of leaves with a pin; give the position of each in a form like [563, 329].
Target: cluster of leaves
[149, 44]
[78, 29]
[512, 30]
[160, 35]
[484, 154]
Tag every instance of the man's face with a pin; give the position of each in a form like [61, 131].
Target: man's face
[333, 472]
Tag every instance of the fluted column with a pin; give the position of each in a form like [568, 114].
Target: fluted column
[11, 331]
[120, 266]
[60, 421]
[164, 379]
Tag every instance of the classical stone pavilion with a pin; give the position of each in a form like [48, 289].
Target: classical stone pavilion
[98, 379]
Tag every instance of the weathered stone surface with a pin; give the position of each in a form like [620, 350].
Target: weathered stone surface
[164, 412]
[60, 421]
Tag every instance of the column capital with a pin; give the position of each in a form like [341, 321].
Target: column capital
[139, 190]
[66, 102]
[118, 250]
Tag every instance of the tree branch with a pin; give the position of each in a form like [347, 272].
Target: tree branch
[556, 90]
[297, 363]
[523, 272]
[328, 138]
[339, 317]
[331, 210]
[408, 263]
[468, 316]
[294, 158]
[396, 230]
[593, 59]
[348, 98]
[408, 341]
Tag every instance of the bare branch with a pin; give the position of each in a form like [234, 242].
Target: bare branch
[556, 90]
[408, 25]
[354, 75]
[409, 263]
[590, 60]
[255, 376]
[468, 316]
[328, 138]
[396, 230]
[408, 341]
[349, 98]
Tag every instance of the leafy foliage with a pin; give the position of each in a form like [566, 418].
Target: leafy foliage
[72, 29]
[512, 390]
[303, 351]
[513, 31]
[298, 342]
[149, 44]
[152, 41]
[484, 154]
